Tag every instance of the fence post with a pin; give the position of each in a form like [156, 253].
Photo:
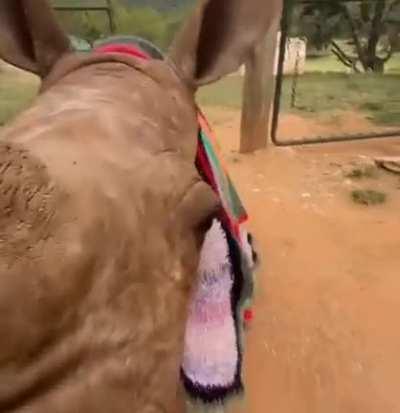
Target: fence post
[258, 92]
[111, 16]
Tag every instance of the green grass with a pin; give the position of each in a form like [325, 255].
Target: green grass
[324, 89]
[331, 64]
[16, 92]
[324, 64]
[225, 93]
[377, 96]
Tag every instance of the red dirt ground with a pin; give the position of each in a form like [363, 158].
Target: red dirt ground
[325, 338]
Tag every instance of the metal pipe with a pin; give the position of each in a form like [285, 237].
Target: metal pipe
[287, 10]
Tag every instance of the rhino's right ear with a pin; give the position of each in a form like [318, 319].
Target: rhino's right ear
[219, 36]
[30, 37]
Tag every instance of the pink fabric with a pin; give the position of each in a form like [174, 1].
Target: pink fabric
[211, 354]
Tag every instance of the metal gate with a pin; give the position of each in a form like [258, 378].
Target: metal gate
[87, 6]
[338, 43]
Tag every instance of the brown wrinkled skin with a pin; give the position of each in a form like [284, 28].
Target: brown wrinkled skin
[78, 313]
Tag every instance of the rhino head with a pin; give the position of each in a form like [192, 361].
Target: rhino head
[102, 211]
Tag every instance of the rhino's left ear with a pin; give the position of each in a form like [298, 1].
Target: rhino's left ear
[219, 36]
[30, 36]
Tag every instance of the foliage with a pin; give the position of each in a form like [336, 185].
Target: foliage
[87, 25]
[144, 22]
[368, 197]
[362, 172]
[371, 27]
[147, 19]
[320, 23]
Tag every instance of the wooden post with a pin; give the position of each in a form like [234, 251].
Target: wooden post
[258, 93]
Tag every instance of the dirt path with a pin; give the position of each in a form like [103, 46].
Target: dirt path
[326, 335]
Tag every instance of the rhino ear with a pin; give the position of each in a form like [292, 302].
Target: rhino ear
[30, 37]
[218, 37]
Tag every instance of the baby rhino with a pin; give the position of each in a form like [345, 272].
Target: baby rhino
[103, 212]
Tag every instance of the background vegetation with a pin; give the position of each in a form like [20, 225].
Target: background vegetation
[352, 65]
[154, 20]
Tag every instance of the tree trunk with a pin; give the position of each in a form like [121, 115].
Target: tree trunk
[254, 125]
[259, 92]
[376, 30]
[367, 55]
[373, 62]
[359, 48]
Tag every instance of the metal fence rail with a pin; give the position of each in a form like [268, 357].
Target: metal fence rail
[277, 107]
[87, 5]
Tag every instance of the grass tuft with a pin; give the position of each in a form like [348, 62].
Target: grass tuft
[368, 197]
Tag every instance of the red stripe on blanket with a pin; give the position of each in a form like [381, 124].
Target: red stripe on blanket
[123, 49]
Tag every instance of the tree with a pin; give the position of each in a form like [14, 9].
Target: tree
[367, 23]
[86, 25]
[319, 24]
[144, 22]
[174, 20]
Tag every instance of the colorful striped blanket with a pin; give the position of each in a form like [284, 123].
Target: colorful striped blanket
[221, 305]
